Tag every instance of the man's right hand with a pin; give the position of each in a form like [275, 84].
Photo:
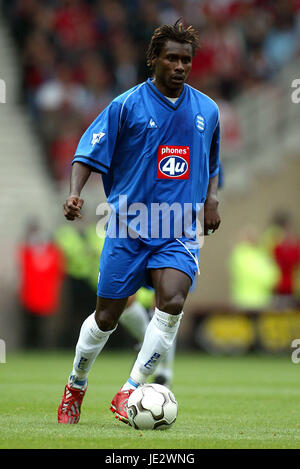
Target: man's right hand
[72, 207]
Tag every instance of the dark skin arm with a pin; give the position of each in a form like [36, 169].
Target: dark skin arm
[79, 176]
[212, 218]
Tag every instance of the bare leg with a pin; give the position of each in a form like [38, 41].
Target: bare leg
[171, 289]
[108, 312]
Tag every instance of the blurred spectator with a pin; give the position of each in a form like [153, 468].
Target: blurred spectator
[253, 273]
[41, 276]
[79, 268]
[125, 58]
[282, 41]
[63, 145]
[273, 234]
[281, 241]
[38, 57]
[97, 81]
[60, 92]
[57, 100]
[287, 256]
[74, 26]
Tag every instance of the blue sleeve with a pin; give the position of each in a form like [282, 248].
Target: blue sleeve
[97, 144]
[214, 151]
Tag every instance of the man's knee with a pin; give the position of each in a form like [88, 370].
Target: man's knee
[108, 312]
[171, 303]
[105, 320]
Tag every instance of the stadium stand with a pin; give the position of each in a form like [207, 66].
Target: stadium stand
[76, 55]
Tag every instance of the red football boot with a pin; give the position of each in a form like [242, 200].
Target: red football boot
[69, 408]
[119, 404]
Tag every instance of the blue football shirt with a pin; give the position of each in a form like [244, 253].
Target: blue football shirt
[152, 151]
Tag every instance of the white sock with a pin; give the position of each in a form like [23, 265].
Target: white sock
[90, 343]
[159, 337]
[165, 366]
[135, 319]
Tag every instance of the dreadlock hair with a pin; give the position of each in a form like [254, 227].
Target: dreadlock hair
[175, 32]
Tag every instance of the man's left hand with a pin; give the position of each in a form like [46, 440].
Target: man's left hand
[212, 218]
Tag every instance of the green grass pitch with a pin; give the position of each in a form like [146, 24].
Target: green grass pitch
[224, 402]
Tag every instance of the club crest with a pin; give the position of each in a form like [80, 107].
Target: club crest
[200, 122]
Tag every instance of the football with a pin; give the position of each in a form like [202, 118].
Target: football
[151, 407]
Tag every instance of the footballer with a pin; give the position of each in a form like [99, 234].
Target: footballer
[155, 145]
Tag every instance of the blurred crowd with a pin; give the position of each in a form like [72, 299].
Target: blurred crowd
[58, 275]
[77, 55]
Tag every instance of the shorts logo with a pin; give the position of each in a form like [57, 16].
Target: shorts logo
[200, 123]
[173, 162]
